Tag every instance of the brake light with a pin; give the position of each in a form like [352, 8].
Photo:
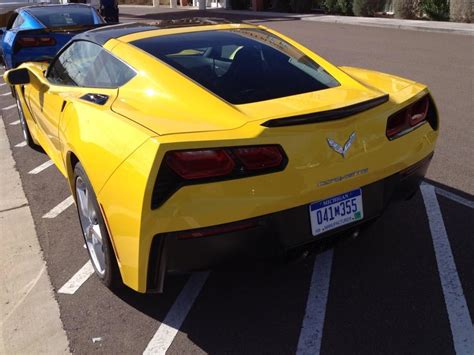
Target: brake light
[407, 119]
[255, 158]
[198, 164]
[36, 41]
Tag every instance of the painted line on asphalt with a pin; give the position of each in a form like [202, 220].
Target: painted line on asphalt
[77, 280]
[61, 207]
[167, 330]
[20, 145]
[6, 94]
[454, 197]
[3, 84]
[460, 321]
[313, 322]
[42, 167]
[14, 123]
[9, 107]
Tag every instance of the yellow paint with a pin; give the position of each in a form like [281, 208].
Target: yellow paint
[121, 144]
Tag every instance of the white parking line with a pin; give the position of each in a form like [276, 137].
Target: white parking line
[167, 331]
[6, 94]
[460, 321]
[40, 168]
[77, 280]
[9, 107]
[21, 144]
[313, 321]
[14, 123]
[454, 197]
[3, 84]
[59, 208]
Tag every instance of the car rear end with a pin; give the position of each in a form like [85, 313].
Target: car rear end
[294, 171]
[60, 22]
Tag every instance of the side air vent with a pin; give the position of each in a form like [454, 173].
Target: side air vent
[98, 99]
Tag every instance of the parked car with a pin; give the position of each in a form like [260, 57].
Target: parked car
[187, 144]
[37, 33]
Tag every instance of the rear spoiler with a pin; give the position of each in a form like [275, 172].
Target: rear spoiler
[64, 29]
[329, 115]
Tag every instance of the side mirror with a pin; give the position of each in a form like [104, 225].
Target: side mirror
[19, 76]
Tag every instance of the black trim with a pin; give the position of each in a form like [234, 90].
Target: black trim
[98, 99]
[330, 115]
[105, 33]
[168, 182]
[102, 35]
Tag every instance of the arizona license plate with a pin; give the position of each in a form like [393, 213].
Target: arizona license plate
[336, 211]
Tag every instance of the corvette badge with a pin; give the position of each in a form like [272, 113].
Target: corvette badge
[339, 149]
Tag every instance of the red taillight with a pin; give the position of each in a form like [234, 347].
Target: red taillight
[224, 162]
[411, 116]
[36, 41]
[198, 164]
[255, 158]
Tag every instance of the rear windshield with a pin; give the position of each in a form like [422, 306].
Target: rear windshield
[241, 66]
[63, 16]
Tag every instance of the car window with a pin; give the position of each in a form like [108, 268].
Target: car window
[241, 66]
[64, 16]
[87, 64]
[18, 22]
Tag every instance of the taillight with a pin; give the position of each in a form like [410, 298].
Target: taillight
[255, 158]
[184, 167]
[407, 119]
[24, 42]
[199, 164]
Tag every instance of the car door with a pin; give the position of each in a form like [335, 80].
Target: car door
[82, 73]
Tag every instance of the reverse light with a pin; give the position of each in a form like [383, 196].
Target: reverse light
[409, 118]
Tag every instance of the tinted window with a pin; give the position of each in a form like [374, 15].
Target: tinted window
[241, 66]
[89, 65]
[63, 16]
[18, 22]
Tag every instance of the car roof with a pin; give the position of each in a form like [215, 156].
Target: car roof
[104, 34]
[31, 8]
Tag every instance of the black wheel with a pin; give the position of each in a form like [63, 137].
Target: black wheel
[95, 233]
[24, 127]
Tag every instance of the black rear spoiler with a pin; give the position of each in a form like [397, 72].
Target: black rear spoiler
[329, 115]
[64, 29]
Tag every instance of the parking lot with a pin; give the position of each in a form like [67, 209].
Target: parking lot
[405, 285]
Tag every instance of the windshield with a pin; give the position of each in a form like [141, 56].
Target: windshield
[241, 66]
[63, 16]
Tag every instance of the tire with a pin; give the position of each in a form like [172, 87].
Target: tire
[94, 231]
[24, 127]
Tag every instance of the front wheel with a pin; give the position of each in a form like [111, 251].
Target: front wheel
[95, 232]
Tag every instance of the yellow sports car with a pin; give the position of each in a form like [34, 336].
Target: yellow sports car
[189, 144]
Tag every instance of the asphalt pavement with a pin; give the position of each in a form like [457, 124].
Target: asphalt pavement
[405, 285]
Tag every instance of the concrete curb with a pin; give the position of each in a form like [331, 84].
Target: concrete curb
[416, 25]
[29, 314]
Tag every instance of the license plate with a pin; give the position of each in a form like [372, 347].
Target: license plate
[336, 211]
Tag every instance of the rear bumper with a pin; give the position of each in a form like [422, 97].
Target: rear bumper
[267, 236]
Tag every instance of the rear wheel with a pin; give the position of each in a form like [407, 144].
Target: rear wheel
[24, 127]
[95, 232]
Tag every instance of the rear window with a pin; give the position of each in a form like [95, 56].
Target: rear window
[241, 66]
[63, 16]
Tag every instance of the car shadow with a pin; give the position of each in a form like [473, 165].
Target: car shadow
[260, 308]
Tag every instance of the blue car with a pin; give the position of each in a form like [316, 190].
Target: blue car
[37, 33]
